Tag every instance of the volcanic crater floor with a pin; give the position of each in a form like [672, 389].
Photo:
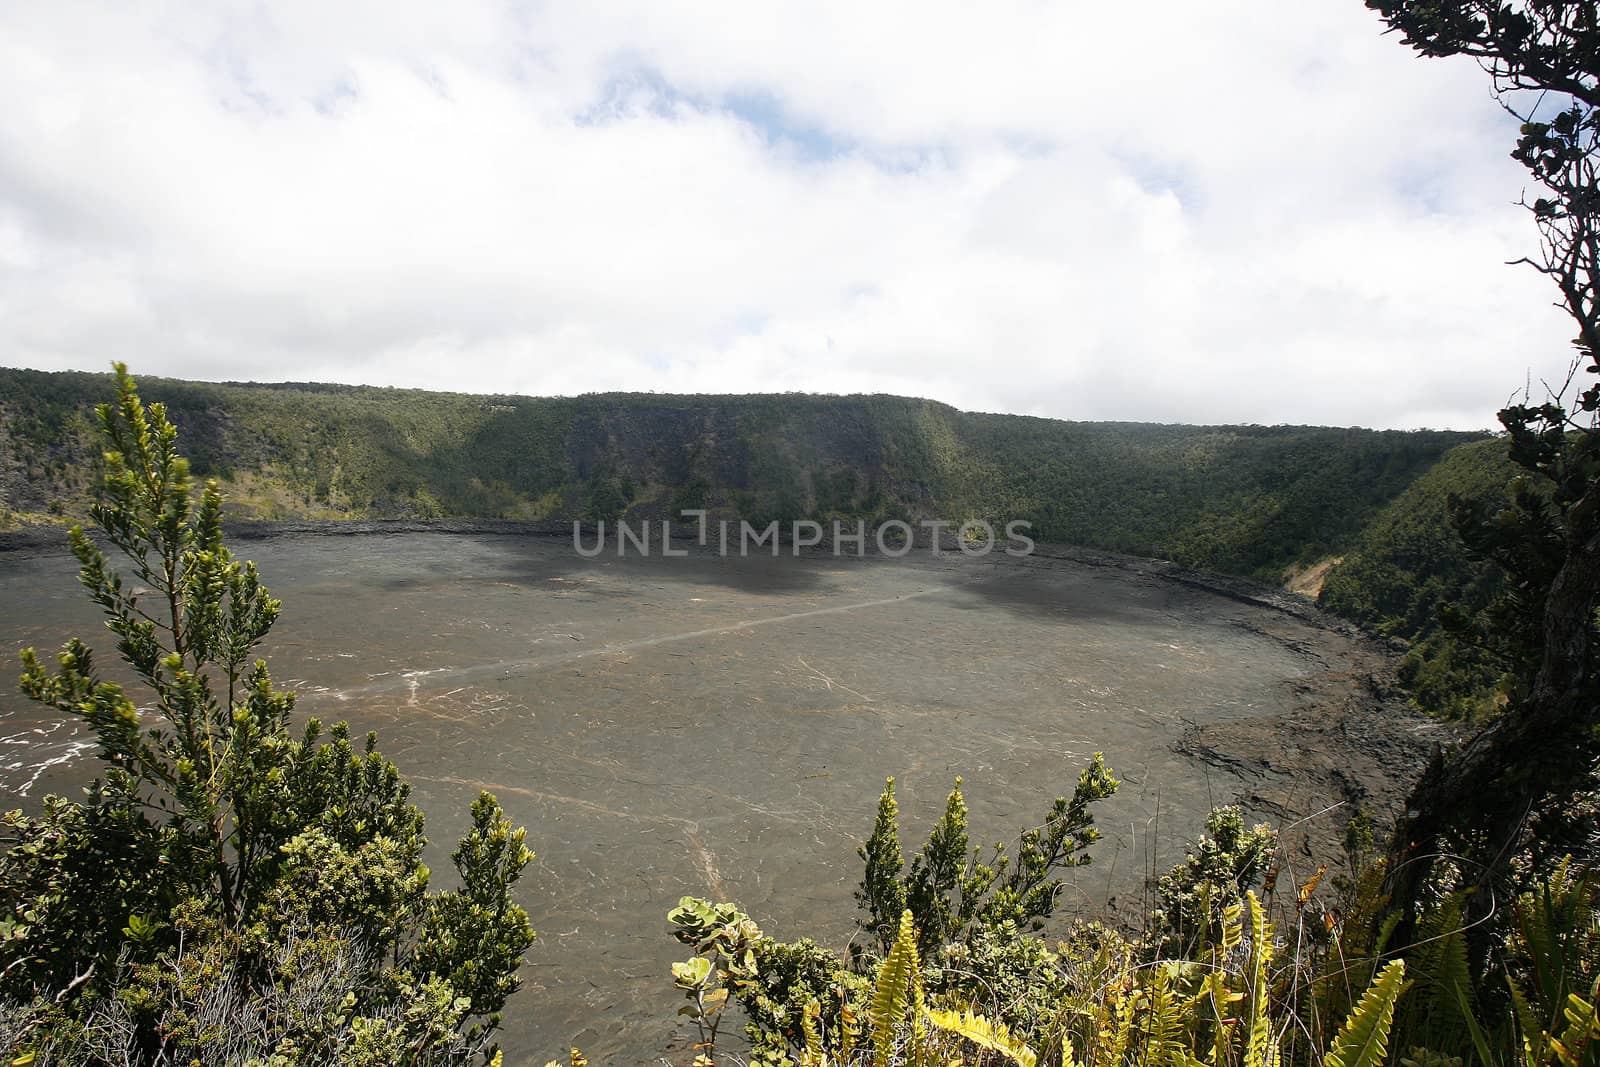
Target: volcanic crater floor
[722, 726]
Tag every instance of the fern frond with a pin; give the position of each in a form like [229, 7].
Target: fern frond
[849, 1031]
[985, 1033]
[1442, 1010]
[1453, 978]
[1232, 929]
[1386, 930]
[1112, 1019]
[1168, 1022]
[1522, 1007]
[1259, 989]
[1219, 1000]
[1583, 1027]
[892, 994]
[811, 1032]
[1363, 1041]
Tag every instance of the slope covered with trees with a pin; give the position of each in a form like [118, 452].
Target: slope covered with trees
[1242, 499]
[1409, 574]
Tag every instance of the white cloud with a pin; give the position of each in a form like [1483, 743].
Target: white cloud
[1203, 215]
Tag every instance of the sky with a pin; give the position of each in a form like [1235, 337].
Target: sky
[1224, 212]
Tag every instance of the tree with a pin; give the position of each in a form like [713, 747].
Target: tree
[220, 846]
[1543, 59]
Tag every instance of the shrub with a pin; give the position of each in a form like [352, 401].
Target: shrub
[228, 890]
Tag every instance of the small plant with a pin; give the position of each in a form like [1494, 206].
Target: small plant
[952, 890]
[723, 939]
[1227, 861]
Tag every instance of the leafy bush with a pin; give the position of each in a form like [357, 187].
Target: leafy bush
[1224, 864]
[981, 990]
[952, 890]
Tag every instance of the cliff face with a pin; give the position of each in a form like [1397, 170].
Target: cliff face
[1245, 499]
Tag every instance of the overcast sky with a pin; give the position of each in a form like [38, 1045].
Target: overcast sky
[1221, 212]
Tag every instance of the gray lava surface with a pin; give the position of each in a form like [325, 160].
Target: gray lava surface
[722, 726]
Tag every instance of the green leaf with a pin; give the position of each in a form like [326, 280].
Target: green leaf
[1363, 1041]
[692, 973]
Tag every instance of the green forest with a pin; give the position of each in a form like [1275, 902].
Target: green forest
[1410, 575]
[1248, 500]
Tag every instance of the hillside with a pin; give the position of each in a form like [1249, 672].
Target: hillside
[1242, 499]
[1409, 563]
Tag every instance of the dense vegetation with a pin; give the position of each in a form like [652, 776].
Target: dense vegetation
[1242, 499]
[1240, 964]
[1246, 499]
[1410, 575]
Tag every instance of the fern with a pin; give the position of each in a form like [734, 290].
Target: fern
[1439, 1015]
[898, 989]
[811, 1028]
[849, 1031]
[1559, 927]
[1576, 1045]
[1166, 1025]
[1363, 1041]
[1232, 930]
[1452, 980]
[1260, 1051]
[1214, 988]
[984, 1033]
[1533, 1027]
[1121, 1037]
